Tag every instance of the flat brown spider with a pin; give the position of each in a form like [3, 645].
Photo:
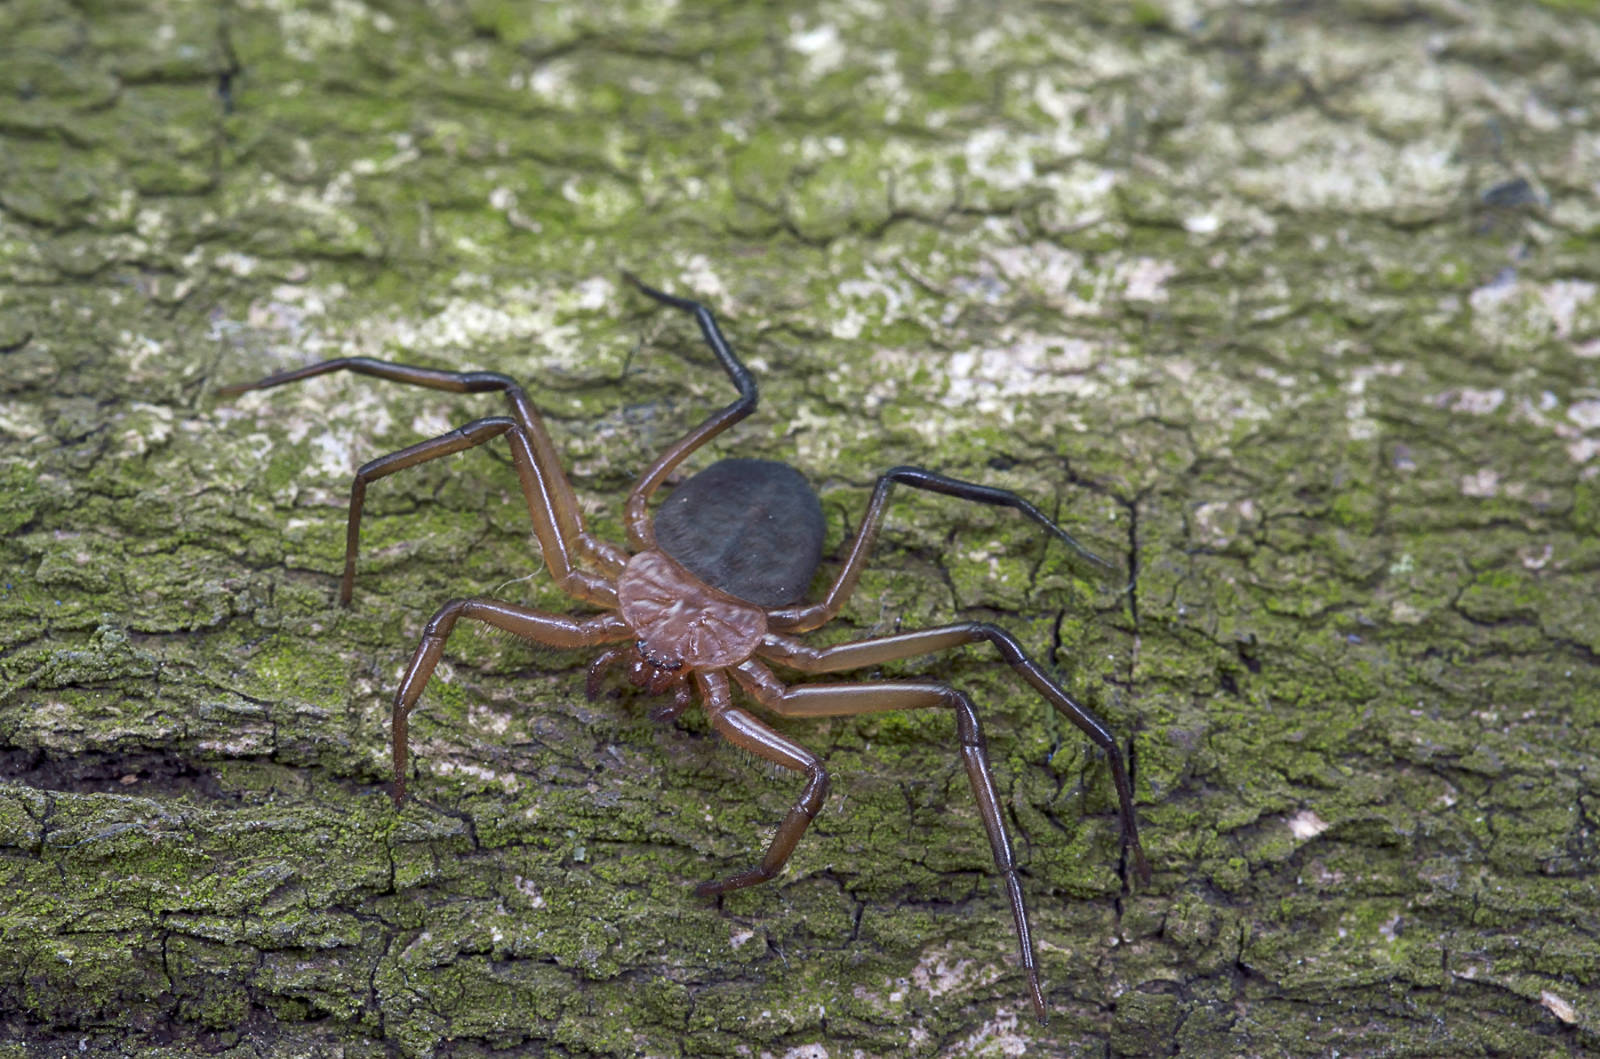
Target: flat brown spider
[707, 593]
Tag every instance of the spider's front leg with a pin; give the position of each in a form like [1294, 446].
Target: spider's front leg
[544, 506]
[552, 504]
[551, 630]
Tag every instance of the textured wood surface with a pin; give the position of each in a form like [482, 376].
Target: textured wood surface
[1291, 309]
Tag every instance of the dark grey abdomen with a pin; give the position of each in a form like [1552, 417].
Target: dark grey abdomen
[752, 528]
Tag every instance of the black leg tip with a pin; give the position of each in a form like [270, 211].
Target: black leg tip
[688, 304]
[645, 288]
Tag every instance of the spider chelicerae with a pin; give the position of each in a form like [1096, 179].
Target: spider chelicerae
[710, 591]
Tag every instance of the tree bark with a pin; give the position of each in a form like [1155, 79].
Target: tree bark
[1292, 312]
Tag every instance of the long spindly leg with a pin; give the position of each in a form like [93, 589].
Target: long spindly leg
[552, 630]
[748, 733]
[807, 659]
[557, 556]
[844, 700]
[558, 503]
[806, 617]
[641, 533]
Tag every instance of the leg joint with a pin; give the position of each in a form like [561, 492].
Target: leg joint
[968, 729]
[444, 619]
[1003, 641]
[816, 792]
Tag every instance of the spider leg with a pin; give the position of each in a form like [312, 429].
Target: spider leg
[597, 670]
[640, 531]
[552, 630]
[809, 616]
[542, 506]
[846, 700]
[557, 505]
[747, 732]
[862, 653]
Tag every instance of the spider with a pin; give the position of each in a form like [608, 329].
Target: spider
[710, 591]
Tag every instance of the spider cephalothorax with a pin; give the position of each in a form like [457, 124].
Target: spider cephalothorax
[710, 592]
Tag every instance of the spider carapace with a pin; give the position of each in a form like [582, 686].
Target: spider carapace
[710, 591]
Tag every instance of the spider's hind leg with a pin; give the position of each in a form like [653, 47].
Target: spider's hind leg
[859, 654]
[805, 617]
[849, 700]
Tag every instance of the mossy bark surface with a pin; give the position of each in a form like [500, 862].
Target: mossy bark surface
[1291, 310]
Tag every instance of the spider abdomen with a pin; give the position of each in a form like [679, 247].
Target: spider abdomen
[750, 528]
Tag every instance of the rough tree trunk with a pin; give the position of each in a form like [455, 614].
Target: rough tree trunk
[1290, 309]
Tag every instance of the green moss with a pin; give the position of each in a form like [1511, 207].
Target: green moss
[1351, 669]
